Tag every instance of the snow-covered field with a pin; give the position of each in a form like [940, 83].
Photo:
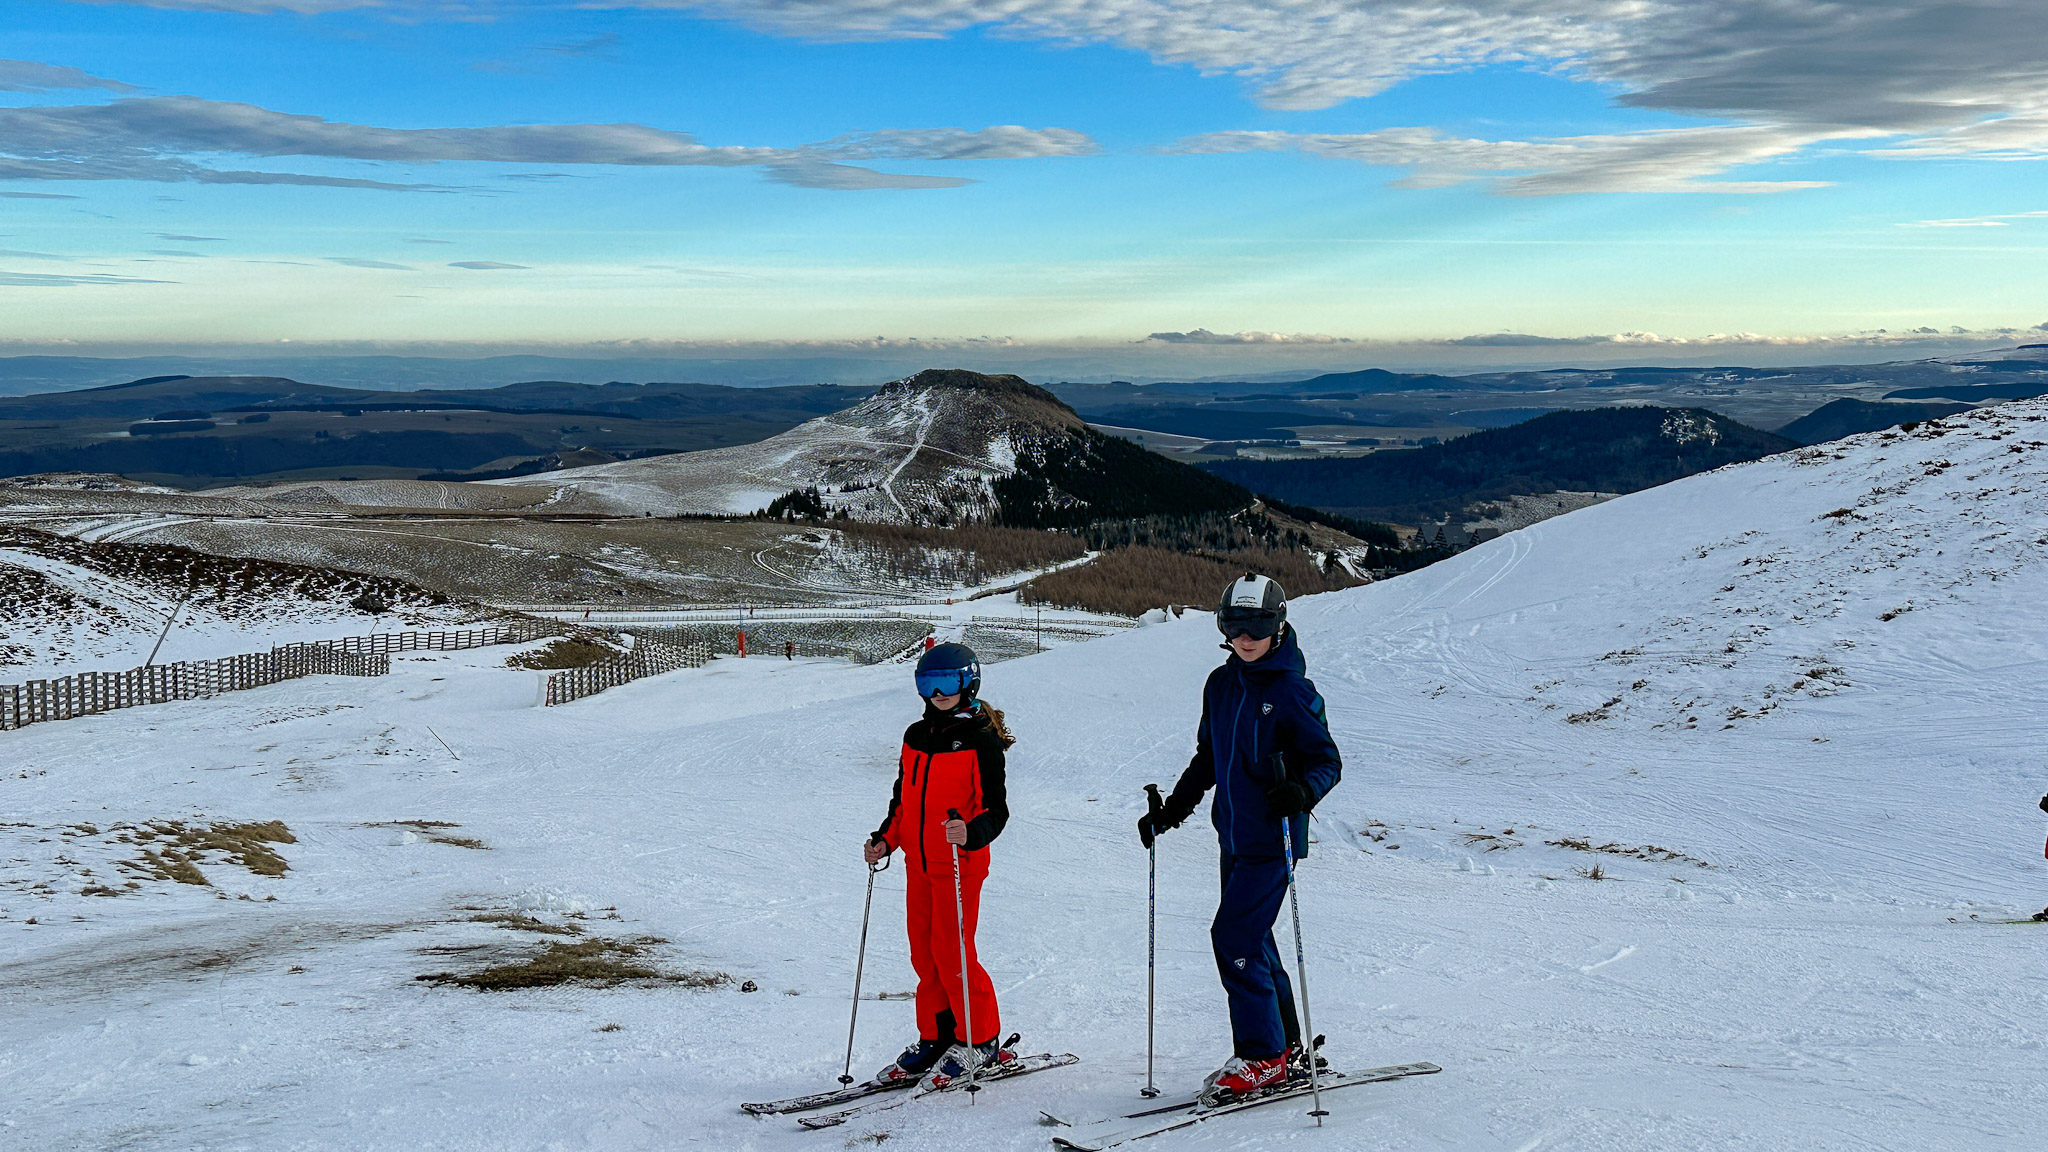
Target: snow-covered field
[1798, 703]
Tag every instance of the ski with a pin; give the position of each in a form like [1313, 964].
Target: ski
[846, 1095]
[1295, 1089]
[1021, 1066]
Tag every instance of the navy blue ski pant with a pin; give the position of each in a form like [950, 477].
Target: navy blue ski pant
[1262, 1017]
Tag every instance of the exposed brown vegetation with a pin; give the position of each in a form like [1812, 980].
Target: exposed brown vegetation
[228, 585]
[599, 962]
[969, 553]
[1649, 852]
[519, 922]
[436, 831]
[173, 850]
[1131, 581]
[565, 652]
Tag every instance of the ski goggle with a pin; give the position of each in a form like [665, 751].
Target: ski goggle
[1257, 623]
[946, 681]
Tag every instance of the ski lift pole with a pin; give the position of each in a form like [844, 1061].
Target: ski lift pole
[168, 622]
[860, 964]
[1308, 1024]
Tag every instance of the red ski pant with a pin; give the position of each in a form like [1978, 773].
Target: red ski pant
[935, 951]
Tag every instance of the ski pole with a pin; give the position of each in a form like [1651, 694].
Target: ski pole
[966, 993]
[860, 963]
[1308, 1023]
[1154, 807]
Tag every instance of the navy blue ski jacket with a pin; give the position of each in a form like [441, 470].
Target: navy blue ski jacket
[1255, 719]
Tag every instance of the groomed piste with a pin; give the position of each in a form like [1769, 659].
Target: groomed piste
[1683, 821]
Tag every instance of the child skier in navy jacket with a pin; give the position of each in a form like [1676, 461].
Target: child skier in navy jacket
[1264, 746]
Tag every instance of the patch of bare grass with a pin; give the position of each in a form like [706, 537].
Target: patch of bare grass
[564, 652]
[1131, 581]
[173, 850]
[1650, 852]
[520, 922]
[595, 962]
[436, 831]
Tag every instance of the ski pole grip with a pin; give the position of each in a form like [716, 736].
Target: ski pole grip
[952, 813]
[1153, 804]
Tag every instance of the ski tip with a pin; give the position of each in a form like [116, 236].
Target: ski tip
[1051, 1121]
[1073, 1145]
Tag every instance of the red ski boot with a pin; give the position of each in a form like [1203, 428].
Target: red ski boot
[1241, 1079]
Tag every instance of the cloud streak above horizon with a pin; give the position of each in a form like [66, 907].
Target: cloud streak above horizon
[156, 138]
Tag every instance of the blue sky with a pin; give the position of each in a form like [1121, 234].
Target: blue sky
[1349, 182]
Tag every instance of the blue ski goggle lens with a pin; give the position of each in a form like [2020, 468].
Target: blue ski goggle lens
[944, 682]
[1257, 623]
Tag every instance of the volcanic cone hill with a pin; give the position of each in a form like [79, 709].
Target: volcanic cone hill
[940, 447]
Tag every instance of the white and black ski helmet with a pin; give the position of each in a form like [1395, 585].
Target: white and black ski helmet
[1253, 605]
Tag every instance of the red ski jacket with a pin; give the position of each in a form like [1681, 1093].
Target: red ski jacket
[949, 761]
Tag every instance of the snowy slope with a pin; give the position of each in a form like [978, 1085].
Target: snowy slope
[932, 441]
[68, 606]
[1796, 967]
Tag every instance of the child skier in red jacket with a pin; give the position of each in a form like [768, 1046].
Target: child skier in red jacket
[949, 803]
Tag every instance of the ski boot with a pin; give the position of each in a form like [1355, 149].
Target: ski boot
[915, 1061]
[2041, 915]
[967, 1060]
[1241, 1079]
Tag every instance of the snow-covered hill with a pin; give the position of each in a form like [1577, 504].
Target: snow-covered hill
[1676, 822]
[69, 605]
[919, 450]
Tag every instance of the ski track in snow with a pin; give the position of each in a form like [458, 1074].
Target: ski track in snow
[1797, 969]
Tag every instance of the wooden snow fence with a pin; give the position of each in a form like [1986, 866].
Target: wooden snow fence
[385, 643]
[89, 693]
[651, 655]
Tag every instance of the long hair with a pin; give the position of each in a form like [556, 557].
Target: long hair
[996, 725]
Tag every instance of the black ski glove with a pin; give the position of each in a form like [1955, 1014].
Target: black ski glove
[1289, 798]
[2044, 803]
[1171, 815]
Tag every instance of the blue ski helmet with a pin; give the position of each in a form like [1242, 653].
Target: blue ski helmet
[948, 670]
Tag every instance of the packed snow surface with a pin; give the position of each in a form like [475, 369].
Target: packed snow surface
[1790, 712]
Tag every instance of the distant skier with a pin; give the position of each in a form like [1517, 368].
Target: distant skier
[789, 649]
[952, 762]
[1264, 745]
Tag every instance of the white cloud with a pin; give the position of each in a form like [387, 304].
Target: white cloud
[156, 138]
[40, 280]
[1670, 160]
[488, 266]
[1003, 142]
[1999, 221]
[29, 76]
[302, 7]
[358, 262]
[1204, 336]
[808, 173]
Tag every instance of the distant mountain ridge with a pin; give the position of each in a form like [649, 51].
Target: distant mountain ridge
[141, 399]
[1851, 417]
[272, 427]
[1597, 450]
